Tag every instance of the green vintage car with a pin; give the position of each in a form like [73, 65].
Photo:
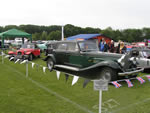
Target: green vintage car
[83, 58]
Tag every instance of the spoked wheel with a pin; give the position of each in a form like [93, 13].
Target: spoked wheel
[50, 64]
[108, 74]
[30, 57]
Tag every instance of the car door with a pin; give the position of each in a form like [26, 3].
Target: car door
[60, 53]
[75, 58]
[72, 57]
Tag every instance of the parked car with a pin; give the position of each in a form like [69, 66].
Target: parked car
[143, 57]
[83, 58]
[42, 47]
[50, 46]
[27, 51]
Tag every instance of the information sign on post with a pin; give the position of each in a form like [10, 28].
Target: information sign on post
[100, 85]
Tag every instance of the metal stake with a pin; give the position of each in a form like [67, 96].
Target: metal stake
[26, 68]
[2, 58]
[100, 100]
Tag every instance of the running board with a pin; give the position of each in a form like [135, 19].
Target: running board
[68, 67]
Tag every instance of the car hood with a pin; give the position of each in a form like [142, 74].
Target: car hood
[22, 50]
[104, 54]
[41, 45]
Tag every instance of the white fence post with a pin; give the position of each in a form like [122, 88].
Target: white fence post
[27, 68]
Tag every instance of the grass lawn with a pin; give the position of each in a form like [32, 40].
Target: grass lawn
[43, 93]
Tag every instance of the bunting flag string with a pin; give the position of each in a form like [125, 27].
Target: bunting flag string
[44, 69]
[37, 67]
[17, 61]
[23, 61]
[148, 76]
[33, 64]
[58, 74]
[129, 83]
[75, 78]
[3, 53]
[11, 58]
[140, 80]
[116, 84]
[6, 56]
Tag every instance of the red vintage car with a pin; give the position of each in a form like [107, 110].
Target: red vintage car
[27, 51]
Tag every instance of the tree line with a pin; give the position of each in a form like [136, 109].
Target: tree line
[53, 32]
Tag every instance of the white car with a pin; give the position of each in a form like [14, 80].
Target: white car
[143, 59]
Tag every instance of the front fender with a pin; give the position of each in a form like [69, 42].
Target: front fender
[27, 53]
[50, 56]
[11, 52]
[110, 64]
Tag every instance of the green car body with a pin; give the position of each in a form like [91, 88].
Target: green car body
[83, 58]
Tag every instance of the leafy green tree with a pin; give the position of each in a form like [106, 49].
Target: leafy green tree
[54, 35]
[44, 35]
[1, 29]
[36, 36]
[53, 32]
[146, 33]
[10, 27]
[89, 30]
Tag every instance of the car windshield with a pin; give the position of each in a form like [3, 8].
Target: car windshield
[30, 46]
[88, 46]
[146, 53]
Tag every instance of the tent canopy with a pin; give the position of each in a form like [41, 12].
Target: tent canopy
[83, 36]
[14, 33]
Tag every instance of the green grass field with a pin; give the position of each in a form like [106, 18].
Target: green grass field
[43, 93]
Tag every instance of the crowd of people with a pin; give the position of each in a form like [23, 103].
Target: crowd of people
[110, 47]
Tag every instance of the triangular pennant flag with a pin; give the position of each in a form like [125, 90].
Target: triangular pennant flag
[58, 74]
[75, 79]
[141, 80]
[3, 53]
[37, 66]
[129, 83]
[44, 69]
[17, 61]
[148, 76]
[6, 56]
[33, 64]
[24, 61]
[11, 58]
[66, 76]
[86, 81]
[116, 84]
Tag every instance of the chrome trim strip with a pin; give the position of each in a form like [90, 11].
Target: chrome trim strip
[68, 67]
[131, 72]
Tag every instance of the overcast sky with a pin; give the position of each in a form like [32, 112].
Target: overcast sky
[118, 14]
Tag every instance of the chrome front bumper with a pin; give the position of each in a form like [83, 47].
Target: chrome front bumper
[131, 72]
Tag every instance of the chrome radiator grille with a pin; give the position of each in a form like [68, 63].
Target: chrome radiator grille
[19, 53]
